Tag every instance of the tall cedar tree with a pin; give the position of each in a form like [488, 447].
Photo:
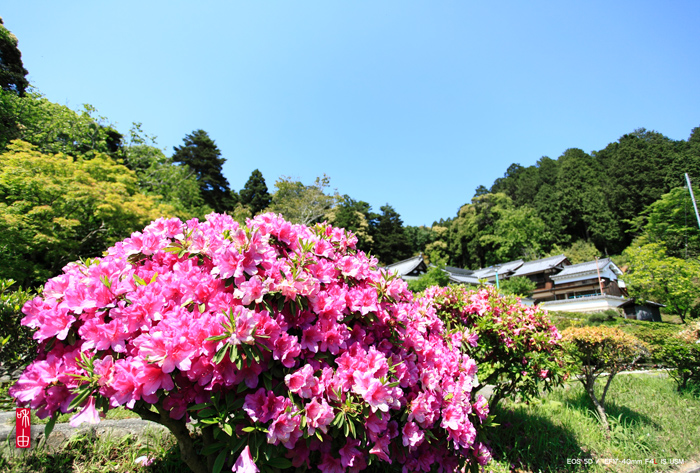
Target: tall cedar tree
[254, 194]
[203, 157]
[391, 243]
[12, 71]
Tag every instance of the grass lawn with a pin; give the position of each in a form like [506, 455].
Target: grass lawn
[650, 421]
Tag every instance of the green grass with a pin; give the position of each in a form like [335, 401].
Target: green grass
[649, 418]
[86, 454]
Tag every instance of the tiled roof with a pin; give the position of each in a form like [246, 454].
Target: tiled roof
[540, 265]
[503, 270]
[587, 267]
[406, 266]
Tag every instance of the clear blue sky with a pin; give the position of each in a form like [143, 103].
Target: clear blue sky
[411, 103]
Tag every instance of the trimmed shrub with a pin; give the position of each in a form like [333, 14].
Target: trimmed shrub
[682, 353]
[598, 350]
[516, 346]
[282, 344]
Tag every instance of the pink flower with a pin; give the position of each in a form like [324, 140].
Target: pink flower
[302, 381]
[481, 406]
[245, 463]
[412, 435]
[330, 464]
[319, 415]
[89, 414]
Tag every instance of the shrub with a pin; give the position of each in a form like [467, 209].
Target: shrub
[516, 346]
[16, 344]
[283, 344]
[598, 318]
[682, 353]
[598, 350]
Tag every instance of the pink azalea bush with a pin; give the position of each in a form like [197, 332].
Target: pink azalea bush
[282, 344]
[517, 347]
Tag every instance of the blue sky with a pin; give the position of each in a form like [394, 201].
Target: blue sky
[409, 103]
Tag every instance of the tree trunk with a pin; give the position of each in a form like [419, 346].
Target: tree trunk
[188, 453]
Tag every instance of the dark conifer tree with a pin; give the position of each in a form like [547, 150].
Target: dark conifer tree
[202, 155]
[391, 243]
[255, 194]
[12, 71]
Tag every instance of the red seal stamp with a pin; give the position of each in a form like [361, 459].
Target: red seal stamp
[23, 425]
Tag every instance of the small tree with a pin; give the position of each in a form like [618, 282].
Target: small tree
[598, 350]
[654, 275]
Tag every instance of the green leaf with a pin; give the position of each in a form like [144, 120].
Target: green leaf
[281, 463]
[199, 407]
[228, 429]
[238, 404]
[50, 425]
[83, 394]
[219, 462]
[213, 448]
[249, 429]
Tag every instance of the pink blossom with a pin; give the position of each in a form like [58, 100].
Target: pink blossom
[412, 435]
[319, 415]
[245, 463]
[88, 414]
[302, 381]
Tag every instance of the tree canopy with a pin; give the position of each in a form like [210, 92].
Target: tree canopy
[200, 153]
[254, 194]
[55, 208]
[12, 71]
[303, 204]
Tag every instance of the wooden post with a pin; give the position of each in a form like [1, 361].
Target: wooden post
[600, 282]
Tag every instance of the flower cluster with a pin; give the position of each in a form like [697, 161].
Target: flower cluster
[516, 346]
[278, 337]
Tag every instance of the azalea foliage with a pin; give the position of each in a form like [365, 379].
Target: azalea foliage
[281, 343]
[517, 348]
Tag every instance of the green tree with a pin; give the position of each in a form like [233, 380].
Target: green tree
[356, 216]
[303, 204]
[160, 177]
[55, 208]
[518, 286]
[12, 71]
[671, 220]
[635, 171]
[203, 157]
[579, 251]
[655, 276]
[54, 128]
[254, 194]
[587, 213]
[390, 240]
[492, 230]
[437, 247]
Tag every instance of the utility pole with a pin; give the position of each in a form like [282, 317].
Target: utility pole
[692, 196]
[600, 281]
